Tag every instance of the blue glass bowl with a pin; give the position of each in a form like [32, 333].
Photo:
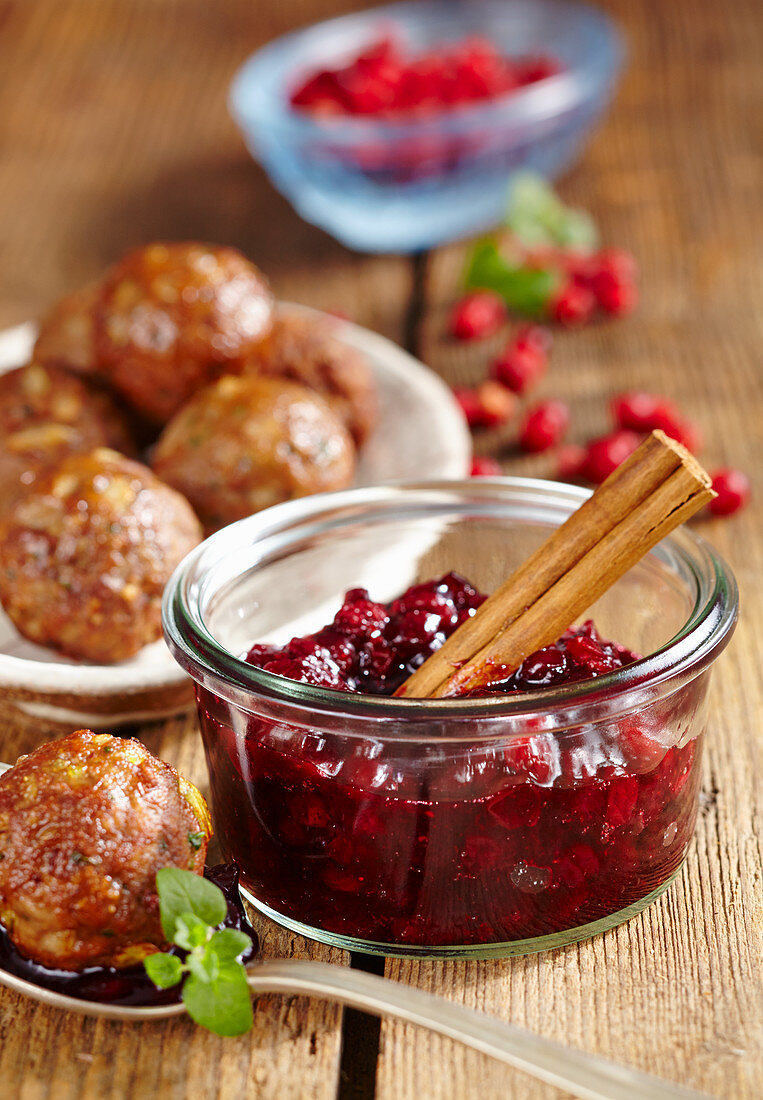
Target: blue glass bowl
[400, 186]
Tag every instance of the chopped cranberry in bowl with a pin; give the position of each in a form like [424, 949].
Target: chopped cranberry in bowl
[397, 128]
[552, 805]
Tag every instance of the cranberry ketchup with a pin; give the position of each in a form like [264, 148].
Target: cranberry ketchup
[431, 843]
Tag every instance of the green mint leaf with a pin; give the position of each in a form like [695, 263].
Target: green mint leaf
[190, 932]
[163, 970]
[223, 1005]
[182, 892]
[228, 944]
[203, 965]
[196, 840]
[539, 219]
[526, 290]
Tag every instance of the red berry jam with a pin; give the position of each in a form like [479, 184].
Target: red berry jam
[128, 985]
[426, 842]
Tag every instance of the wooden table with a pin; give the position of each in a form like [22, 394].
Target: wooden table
[114, 131]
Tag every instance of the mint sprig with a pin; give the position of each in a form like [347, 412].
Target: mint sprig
[215, 990]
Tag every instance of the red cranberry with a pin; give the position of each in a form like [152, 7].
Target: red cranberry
[484, 466]
[569, 460]
[613, 281]
[641, 412]
[617, 262]
[733, 489]
[605, 454]
[489, 406]
[544, 426]
[477, 314]
[614, 297]
[523, 361]
[573, 306]
[360, 615]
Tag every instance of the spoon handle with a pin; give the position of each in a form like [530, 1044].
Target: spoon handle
[583, 1075]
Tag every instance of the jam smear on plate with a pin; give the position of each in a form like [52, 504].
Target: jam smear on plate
[131, 985]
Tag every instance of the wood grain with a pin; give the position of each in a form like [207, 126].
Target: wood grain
[113, 131]
[675, 175]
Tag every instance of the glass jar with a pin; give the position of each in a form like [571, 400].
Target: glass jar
[465, 827]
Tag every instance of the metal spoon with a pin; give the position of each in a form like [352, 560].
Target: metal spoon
[583, 1075]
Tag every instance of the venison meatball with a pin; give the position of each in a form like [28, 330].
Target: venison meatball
[245, 443]
[303, 348]
[47, 413]
[164, 320]
[85, 824]
[67, 332]
[86, 552]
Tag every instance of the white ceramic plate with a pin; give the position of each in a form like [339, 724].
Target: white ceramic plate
[421, 435]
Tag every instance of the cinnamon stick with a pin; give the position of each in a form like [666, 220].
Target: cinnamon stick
[646, 497]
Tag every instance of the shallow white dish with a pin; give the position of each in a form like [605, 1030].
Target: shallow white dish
[421, 435]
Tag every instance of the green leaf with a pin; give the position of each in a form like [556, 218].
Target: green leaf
[228, 945]
[182, 892]
[525, 289]
[164, 970]
[223, 1005]
[539, 219]
[191, 932]
[203, 965]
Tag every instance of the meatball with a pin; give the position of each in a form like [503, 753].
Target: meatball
[47, 413]
[304, 349]
[67, 332]
[38, 395]
[85, 824]
[244, 443]
[164, 320]
[172, 317]
[86, 552]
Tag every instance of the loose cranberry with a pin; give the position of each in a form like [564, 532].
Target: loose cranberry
[617, 262]
[613, 281]
[477, 314]
[573, 306]
[615, 297]
[544, 426]
[523, 361]
[484, 466]
[569, 460]
[733, 489]
[605, 454]
[489, 406]
[641, 412]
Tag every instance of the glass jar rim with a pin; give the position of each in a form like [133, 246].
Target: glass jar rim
[692, 648]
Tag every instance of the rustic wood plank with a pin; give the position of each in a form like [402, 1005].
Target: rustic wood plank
[675, 175]
[114, 131]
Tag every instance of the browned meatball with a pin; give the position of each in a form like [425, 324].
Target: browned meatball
[171, 317]
[243, 444]
[47, 413]
[37, 394]
[304, 349]
[86, 552]
[67, 332]
[85, 824]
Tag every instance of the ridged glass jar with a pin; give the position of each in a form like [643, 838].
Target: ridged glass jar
[453, 828]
